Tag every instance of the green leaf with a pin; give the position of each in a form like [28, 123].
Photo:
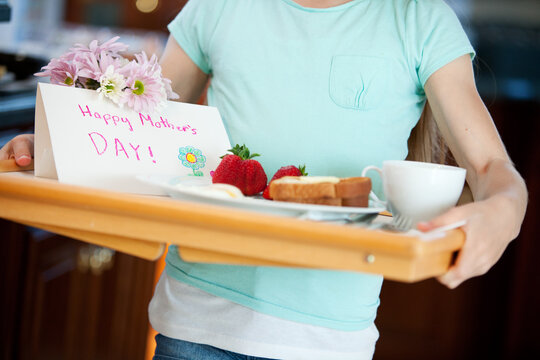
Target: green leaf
[242, 151]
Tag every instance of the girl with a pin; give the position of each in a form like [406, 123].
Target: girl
[349, 78]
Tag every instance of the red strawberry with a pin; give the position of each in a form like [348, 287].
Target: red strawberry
[240, 170]
[289, 170]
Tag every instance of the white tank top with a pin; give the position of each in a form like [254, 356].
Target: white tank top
[181, 311]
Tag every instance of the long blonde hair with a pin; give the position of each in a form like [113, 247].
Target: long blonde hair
[426, 144]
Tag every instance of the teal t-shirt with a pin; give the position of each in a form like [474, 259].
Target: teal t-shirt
[335, 89]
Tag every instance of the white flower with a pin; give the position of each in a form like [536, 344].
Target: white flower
[112, 84]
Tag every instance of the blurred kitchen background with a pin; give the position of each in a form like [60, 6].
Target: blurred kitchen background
[63, 299]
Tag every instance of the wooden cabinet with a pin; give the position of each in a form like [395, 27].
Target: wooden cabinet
[54, 306]
[122, 14]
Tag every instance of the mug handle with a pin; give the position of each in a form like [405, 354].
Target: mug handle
[372, 195]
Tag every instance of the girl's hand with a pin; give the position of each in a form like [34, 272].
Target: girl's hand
[486, 236]
[20, 148]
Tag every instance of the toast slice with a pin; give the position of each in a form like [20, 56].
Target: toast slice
[316, 201]
[303, 187]
[322, 190]
[354, 191]
[353, 186]
[357, 201]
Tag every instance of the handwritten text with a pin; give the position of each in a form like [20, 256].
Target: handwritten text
[120, 149]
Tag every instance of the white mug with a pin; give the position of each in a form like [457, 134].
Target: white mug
[419, 191]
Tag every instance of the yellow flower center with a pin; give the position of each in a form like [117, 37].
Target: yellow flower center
[191, 158]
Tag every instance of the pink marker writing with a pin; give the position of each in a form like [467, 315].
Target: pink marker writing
[107, 118]
[128, 151]
[164, 123]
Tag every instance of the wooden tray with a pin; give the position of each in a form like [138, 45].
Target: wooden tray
[143, 225]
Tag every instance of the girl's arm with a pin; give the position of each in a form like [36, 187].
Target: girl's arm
[494, 218]
[187, 80]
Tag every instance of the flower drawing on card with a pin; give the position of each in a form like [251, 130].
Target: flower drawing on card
[136, 83]
[192, 158]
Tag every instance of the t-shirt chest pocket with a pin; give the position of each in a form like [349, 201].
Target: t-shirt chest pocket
[359, 82]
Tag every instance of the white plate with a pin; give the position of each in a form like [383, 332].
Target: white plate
[181, 187]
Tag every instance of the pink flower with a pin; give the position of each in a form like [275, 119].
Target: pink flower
[169, 93]
[144, 87]
[110, 47]
[154, 68]
[95, 59]
[61, 71]
[93, 67]
[151, 65]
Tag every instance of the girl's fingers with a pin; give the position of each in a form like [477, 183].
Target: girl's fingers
[457, 272]
[19, 148]
[453, 278]
[5, 152]
[23, 148]
[451, 216]
[449, 281]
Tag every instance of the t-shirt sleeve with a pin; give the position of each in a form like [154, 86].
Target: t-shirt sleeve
[194, 27]
[436, 36]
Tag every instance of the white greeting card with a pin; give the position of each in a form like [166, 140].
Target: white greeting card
[83, 139]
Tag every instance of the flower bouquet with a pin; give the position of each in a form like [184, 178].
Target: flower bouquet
[137, 83]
